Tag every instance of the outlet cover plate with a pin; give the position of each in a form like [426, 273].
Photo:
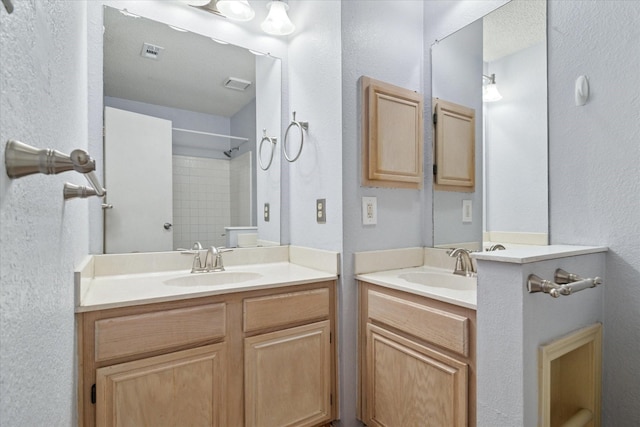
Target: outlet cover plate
[321, 211]
[369, 210]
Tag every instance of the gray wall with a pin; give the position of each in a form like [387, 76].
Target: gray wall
[594, 164]
[43, 102]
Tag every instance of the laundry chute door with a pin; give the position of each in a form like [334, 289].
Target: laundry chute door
[138, 178]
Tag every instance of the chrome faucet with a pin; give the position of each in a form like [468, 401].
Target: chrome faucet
[212, 261]
[464, 263]
[215, 263]
[497, 247]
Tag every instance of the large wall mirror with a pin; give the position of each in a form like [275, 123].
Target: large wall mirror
[184, 116]
[509, 204]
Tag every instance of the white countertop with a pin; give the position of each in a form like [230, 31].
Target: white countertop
[123, 290]
[529, 254]
[392, 279]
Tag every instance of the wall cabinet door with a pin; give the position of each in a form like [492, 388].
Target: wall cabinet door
[409, 385]
[185, 388]
[288, 377]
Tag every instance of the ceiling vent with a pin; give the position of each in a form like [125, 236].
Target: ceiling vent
[151, 51]
[236, 83]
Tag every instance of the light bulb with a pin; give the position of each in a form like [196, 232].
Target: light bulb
[277, 22]
[239, 10]
[490, 93]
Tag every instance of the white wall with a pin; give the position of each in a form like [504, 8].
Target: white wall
[43, 102]
[314, 94]
[594, 168]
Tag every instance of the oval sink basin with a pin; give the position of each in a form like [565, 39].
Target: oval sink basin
[213, 279]
[439, 280]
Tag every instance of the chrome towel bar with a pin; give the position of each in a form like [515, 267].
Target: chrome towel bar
[303, 126]
[565, 284]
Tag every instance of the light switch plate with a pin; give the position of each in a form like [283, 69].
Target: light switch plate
[369, 210]
[321, 211]
[467, 211]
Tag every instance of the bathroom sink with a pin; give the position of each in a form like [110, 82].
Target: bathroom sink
[440, 280]
[213, 279]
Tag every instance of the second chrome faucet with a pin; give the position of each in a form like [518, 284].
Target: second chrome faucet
[464, 263]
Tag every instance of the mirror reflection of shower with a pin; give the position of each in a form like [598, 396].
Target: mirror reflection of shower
[230, 151]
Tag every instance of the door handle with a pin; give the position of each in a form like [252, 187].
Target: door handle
[167, 225]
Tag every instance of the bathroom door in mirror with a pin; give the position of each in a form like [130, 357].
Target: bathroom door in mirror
[138, 175]
[510, 202]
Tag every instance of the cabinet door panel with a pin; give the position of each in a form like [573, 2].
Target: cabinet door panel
[185, 388]
[288, 377]
[409, 385]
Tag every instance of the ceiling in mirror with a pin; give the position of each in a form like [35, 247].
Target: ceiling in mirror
[509, 204]
[188, 72]
[213, 96]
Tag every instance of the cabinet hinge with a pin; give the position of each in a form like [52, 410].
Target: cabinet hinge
[435, 169]
[93, 394]
[435, 119]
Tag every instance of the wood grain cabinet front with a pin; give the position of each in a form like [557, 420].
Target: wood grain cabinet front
[254, 358]
[417, 360]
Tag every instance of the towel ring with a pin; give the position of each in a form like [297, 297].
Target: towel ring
[273, 140]
[303, 126]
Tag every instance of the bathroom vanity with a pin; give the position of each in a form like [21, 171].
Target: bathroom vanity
[417, 359]
[416, 339]
[260, 352]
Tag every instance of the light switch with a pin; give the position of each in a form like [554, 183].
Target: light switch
[467, 211]
[369, 210]
[266, 212]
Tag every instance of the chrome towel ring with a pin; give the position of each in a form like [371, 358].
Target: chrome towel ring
[303, 126]
[273, 140]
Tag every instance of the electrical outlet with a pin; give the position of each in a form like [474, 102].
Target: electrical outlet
[369, 210]
[321, 211]
[467, 211]
[266, 212]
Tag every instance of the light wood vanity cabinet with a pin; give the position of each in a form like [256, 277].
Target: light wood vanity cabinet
[256, 358]
[417, 360]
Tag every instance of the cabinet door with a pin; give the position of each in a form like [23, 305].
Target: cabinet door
[455, 133]
[288, 377]
[184, 388]
[409, 385]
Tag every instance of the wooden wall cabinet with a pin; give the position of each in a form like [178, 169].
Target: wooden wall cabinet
[454, 146]
[417, 372]
[392, 135]
[258, 358]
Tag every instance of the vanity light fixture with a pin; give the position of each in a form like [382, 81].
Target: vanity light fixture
[490, 90]
[277, 22]
[238, 10]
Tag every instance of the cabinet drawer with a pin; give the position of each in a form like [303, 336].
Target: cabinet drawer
[447, 330]
[284, 309]
[129, 335]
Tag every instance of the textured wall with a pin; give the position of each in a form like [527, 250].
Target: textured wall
[594, 157]
[314, 94]
[43, 96]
